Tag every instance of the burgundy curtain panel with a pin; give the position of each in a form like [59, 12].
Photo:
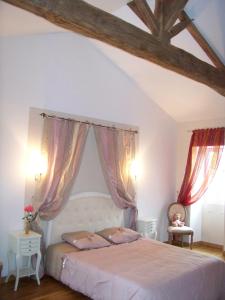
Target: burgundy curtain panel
[117, 151]
[204, 155]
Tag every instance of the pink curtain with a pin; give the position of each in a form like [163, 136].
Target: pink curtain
[117, 151]
[204, 154]
[63, 142]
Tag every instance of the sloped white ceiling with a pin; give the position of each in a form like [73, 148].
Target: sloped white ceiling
[108, 5]
[183, 99]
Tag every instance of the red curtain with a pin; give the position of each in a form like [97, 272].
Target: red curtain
[204, 154]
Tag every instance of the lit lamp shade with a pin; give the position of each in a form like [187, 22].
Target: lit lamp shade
[37, 165]
[134, 169]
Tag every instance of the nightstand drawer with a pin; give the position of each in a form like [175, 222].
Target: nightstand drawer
[29, 246]
[29, 243]
[28, 251]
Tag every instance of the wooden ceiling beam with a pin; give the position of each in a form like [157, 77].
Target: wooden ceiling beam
[171, 11]
[176, 29]
[144, 12]
[193, 30]
[159, 15]
[166, 13]
[158, 8]
[83, 18]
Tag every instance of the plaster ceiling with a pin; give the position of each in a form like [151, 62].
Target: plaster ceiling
[183, 99]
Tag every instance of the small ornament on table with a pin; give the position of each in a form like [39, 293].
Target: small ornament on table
[29, 217]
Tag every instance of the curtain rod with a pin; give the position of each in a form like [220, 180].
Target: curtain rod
[204, 128]
[44, 115]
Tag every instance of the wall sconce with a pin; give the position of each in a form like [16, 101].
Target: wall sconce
[134, 169]
[37, 165]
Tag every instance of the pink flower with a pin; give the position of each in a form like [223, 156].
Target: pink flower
[29, 208]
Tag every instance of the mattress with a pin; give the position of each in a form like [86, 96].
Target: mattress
[54, 258]
[144, 270]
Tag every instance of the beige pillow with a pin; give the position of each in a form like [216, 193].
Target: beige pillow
[119, 235]
[85, 240]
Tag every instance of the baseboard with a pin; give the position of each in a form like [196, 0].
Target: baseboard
[202, 243]
[199, 243]
[177, 243]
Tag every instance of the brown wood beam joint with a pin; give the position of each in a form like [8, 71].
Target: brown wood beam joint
[144, 12]
[172, 9]
[176, 29]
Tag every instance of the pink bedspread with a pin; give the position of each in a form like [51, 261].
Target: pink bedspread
[144, 269]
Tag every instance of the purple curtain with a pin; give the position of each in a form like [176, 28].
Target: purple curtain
[117, 151]
[63, 142]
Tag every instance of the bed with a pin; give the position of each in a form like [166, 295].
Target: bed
[142, 269]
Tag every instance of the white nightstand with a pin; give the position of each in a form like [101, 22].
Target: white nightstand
[20, 245]
[148, 227]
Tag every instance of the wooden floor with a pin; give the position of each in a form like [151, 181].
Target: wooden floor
[51, 289]
[28, 289]
[208, 250]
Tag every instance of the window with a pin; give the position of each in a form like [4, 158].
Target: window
[215, 194]
[216, 191]
[207, 215]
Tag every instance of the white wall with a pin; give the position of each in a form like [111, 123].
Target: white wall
[205, 219]
[90, 177]
[64, 72]
[213, 223]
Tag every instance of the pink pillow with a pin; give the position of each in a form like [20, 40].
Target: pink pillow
[119, 235]
[85, 240]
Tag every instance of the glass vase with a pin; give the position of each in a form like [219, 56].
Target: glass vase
[26, 227]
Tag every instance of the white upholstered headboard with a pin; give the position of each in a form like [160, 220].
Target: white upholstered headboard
[85, 211]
